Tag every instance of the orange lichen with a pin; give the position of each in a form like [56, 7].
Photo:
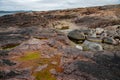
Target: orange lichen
[59, 69]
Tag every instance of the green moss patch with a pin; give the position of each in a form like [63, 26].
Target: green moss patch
[34, 60]
[45, 73]
[30, 56]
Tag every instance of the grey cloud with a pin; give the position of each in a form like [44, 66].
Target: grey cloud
[51, 4]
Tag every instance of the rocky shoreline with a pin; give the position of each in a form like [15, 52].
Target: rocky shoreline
[76, 44]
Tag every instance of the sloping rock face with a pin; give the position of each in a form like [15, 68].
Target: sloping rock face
[33, 47]
[23, 19]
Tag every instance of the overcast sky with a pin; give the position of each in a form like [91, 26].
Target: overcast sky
[42, 5]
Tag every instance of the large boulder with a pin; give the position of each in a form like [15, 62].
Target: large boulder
[93, 46]
[76, 35]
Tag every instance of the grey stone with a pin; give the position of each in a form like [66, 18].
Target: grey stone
[76, 35]
[54, 62]
[41, 67]
[79, 47]
[92, 33]
[103, 35]
[109, 40]
[99, 30]
[93, 39]
[53, 71]
[93, 46]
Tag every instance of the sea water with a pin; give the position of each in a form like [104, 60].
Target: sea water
[2, 14]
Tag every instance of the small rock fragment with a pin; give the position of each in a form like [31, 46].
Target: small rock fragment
[79, 47]
[53, 71]
[41, 67]
[99, 30]
[109, 40]
[54, 62]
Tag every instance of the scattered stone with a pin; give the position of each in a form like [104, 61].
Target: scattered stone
[93, 46]
[41, 67]
[112, 27]
[79, 47]
[108, 47]
[99, 30]
[109, 40]
[92, 33]
[53, 71]
[77, 35]
[54, 63]
[111, 33]
[103, 35]
[4, 52]
[93, 39]
[62, 27]
[6, 62]
[117, 41]
[10, 73]
[118, 32]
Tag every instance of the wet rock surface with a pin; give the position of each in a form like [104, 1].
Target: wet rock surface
[59, 45]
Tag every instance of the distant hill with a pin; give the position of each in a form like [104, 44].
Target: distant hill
[14, 11]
